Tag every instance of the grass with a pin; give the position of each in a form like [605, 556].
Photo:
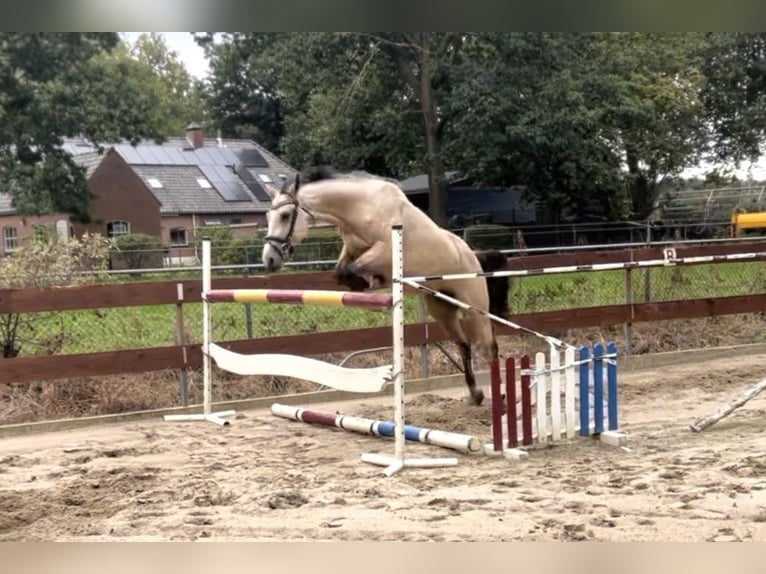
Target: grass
[152, 326]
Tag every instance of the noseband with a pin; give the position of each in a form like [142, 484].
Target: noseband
[284, 244]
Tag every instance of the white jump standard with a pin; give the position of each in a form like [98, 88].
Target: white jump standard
[218, 418]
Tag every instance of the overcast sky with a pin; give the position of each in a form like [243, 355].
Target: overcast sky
[188, 51]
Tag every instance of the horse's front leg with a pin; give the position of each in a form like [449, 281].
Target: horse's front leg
[373, 266]
[344, 277]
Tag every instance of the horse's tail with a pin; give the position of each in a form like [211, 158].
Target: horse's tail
[497, 286]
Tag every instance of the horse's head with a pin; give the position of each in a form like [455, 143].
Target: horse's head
[288, 224]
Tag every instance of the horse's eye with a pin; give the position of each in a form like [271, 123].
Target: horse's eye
[284, 216]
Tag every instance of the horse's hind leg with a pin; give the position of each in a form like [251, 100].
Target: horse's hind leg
[477, 395]
[447, 315]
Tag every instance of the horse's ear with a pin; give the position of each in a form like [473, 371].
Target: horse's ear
[271, 190]
[297, 184]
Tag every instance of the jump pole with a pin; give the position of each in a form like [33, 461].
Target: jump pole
[455, 441]
[701, 424]
[394, 464]
[218, 418]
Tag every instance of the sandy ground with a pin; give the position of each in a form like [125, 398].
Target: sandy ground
[267, 478]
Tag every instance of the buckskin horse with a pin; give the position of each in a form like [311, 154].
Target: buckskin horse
[364, 208]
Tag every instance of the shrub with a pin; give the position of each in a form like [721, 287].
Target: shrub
[47, 264]
[137, 251]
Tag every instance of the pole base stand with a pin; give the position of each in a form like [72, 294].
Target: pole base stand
[394, 465]
[218, 418]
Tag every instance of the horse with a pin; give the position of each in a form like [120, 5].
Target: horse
[364, 208]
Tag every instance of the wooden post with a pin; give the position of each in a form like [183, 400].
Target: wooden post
[183, 382]
[705, 422]
[629, 301]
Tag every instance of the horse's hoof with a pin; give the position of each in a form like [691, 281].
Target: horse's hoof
[477, 398]
[353, 282]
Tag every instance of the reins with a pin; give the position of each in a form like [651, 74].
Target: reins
[284, 244]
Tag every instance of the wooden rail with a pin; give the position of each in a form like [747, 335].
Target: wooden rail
[29, 369]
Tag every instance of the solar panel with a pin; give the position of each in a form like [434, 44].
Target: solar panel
[128, 153]
[147, 155]
[216, 156]
[176, 156]
[224, 182]
[254, 186]
[251, 157]
[229, 156]
[161, 155]
[203, 157]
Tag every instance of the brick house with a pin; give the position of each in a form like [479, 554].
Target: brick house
[167, 190]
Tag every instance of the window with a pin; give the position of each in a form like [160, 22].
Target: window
[10, 239]
[155, 183]
[212, 222]
[118, 227]
[178, 237]
[203, 183]
[264, 177]
[235, 220]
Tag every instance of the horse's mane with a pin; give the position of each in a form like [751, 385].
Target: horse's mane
[324, 172]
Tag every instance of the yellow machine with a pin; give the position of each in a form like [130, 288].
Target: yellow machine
[744, 223]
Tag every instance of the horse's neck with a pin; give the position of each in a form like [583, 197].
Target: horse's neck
[336, 202]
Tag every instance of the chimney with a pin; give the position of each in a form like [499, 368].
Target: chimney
[195, 135]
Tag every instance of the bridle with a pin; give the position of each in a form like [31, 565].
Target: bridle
[284, 245]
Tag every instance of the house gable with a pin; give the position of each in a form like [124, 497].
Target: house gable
[120, 195]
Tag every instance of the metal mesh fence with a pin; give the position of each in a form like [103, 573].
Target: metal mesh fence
[152, 326]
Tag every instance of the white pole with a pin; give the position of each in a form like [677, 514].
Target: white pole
[397, 462]
[218, 418]
[397, 319]
[206, 327]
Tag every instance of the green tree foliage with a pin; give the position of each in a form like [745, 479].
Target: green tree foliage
[735, 93]
[180, 96]
[592, 122]
[55, 85]
[51, 85]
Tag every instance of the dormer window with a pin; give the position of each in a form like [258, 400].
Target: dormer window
[155, 183]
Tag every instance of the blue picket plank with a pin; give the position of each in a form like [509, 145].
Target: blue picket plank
[598, 388]
[611, 381]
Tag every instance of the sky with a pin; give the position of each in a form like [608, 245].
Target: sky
[194, 58]
[187, 49]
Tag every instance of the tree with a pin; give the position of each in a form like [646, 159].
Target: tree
[735, 94]
[57, 85]
[242, 96]
[582, 119]
[425, 61]
[182, 97]
[358, 101]
[52, 86]
[594, 122]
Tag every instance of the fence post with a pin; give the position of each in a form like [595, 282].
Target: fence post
[249, 319]
[424, 349]
[629, 301]
[183, 383]
[648, 271]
